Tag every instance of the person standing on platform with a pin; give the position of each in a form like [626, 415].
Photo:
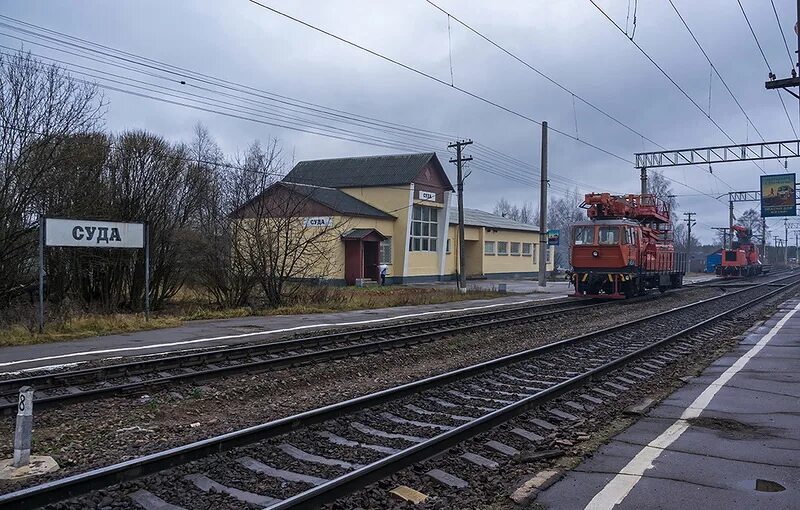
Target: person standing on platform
[383, 270]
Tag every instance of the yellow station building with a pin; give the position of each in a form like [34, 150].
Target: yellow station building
[399, 210]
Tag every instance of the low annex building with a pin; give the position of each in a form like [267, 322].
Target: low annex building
[396, 210]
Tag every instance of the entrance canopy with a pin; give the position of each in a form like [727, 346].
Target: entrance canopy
[363, 234]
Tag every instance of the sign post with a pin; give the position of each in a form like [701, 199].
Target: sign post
[147, 272]
[41, 274]
[92, 234]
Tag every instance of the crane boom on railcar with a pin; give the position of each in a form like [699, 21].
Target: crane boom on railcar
[625, 249]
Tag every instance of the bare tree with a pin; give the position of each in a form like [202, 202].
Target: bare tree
[41, 107]
[224, 270]
[522, 214]
[280, 246]
[562, 212]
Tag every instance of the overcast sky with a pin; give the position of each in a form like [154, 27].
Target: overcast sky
[569, 40]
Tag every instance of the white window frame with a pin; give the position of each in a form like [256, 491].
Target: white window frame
[515, 253]
[549, 254]
[529, 252]
[386, 243]
[504, 244]
[486, 244]
[449, 247]
[420, 223]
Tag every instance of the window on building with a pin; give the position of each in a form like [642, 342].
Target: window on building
[526, 249]
[608, 235]
[549, 255]
[535, 253]
[515, 249]
[386, 251]
[502, 248]
[424, 228]
[449, 248]
[584, 235]
[488, 248]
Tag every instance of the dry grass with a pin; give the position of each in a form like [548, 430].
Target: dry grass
[192, 306]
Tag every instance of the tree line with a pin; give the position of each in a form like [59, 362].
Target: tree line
[57, 160]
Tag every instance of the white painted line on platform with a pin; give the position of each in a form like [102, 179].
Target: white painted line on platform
[621, 485]
[266, 332]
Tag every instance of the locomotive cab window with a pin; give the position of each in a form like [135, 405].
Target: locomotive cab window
[629, 236]
[584, 235]
[608, 235]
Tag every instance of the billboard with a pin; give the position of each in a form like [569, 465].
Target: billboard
[778, 195]
[93, 234]
[553, 237]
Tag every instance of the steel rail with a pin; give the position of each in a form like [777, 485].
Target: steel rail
[360, 478]
[81, 483]
[422, 331]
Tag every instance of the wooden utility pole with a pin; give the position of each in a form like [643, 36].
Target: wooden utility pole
[459, 161]
[543, 212]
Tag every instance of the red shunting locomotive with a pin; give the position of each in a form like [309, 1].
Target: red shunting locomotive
[626, 248]
[742, 259]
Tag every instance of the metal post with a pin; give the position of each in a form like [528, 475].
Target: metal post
[41, 273]
[643, 178]
[24, 429]
[764, 239]
[543, 212]
[731, 218]
[786, 241]
[146, 271]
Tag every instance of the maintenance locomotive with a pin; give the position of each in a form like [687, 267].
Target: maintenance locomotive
[742, 259]
[625, 249]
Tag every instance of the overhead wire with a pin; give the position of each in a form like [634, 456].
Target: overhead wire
[507, 172]
[670, 78]
[405, 130]
[434, 78]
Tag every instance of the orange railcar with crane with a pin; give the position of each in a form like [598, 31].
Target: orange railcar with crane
[742, 259]
[625, 249]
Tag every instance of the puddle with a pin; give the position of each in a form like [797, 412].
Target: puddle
[761, 485]
[728, 427]
[768, 486]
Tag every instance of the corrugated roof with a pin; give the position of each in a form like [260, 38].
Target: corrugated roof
[391, 170]
[337, 200]
[478, 218]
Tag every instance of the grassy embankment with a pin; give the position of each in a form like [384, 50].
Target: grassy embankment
[190, 305]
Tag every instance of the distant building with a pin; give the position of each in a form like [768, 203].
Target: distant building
[396, 210]
[713, 260]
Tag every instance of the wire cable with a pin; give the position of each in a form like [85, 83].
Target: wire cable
[433, 78]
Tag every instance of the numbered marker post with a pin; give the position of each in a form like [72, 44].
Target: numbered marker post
[22, 434]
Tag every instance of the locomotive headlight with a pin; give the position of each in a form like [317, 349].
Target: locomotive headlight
[595, 253]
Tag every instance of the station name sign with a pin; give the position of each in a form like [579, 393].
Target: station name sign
[93, 233]
[427, 195]
[319, 221]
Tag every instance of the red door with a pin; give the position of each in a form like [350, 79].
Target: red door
[353, 261]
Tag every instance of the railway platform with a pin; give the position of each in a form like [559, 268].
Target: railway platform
[202, 334]
[728, 439]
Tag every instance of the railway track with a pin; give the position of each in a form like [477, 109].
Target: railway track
[54, 388]
[317, 456]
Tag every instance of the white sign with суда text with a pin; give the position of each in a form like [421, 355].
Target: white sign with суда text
[93, 233]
